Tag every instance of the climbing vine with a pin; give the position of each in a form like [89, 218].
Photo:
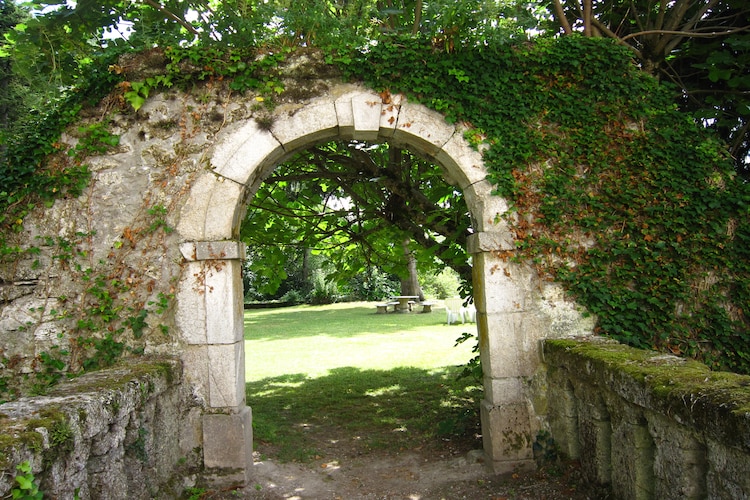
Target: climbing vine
[614, 193]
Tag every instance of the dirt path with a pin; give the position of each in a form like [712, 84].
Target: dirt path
[407, 475]
[434, 471]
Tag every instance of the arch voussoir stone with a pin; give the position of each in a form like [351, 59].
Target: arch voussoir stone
[424, 130]
[303, 126]
[243, 151]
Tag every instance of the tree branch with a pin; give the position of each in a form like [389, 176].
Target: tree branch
[171, 15]
[560, 14]
[687, 34]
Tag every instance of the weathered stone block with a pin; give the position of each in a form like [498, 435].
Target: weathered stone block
[227, 441]
[226, 382]
[632, 466]
[595, 437]
[498, 391]
[305, 126]
[212, 250]
[211, 212]
[462, 165]
[423, 130]
[245, 151]
[509, 344]
[680, 464]
[563, 417]
[366, 110]
[224, 302]
[190, 313]
[224, 214]
[490, 242]
[500, 286]
[728, 472]
[507, 435]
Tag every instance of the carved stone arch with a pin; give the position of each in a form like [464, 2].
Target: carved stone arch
[209, 297]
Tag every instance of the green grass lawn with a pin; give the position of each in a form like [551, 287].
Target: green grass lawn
[375, 381]
[311, 340]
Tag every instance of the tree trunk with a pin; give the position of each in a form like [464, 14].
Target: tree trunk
[410, 284]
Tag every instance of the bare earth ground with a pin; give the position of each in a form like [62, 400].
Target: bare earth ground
[344, 469]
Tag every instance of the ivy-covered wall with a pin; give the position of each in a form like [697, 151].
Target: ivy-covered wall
[616, 194]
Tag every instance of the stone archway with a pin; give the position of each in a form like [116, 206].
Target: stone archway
[209, 298]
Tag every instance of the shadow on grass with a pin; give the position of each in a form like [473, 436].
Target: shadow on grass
[355, 411]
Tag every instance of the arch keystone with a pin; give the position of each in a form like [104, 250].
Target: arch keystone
[364, 116]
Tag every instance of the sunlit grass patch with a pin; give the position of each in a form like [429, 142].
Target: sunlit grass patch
[388, 388]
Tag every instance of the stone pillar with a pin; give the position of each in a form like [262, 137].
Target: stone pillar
[210, 318]
[509, 352]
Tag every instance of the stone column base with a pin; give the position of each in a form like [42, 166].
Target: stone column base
[228, 446]
[507, 437]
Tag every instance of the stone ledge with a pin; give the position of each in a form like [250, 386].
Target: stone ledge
[114, 433]
[213, 250]
[648, 425]
[714, 403]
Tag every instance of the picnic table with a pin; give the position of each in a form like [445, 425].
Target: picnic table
[401, 303]
[405, 302]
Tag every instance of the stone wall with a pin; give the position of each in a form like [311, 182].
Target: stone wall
[646, 424]
[122, 433]
[147, 261]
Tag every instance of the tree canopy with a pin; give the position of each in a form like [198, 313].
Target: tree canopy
[358, 203]
[701, 46]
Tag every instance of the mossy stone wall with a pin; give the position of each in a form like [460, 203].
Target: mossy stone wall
[126, 432]
[646, 424]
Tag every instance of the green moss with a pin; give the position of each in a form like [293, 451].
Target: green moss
[664, 375]
[16, 434]
[118, 377]
[718, 402]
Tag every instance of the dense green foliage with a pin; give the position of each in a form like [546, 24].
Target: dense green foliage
[614, 192]
[703, 47]
[354, 204]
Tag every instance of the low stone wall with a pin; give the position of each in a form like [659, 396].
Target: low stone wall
[120, 433]
[649, 425]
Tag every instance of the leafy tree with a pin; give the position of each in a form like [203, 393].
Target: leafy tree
[365, 206]
[701, 46]
[10, 16]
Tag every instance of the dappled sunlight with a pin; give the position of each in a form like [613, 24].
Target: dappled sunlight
[384, 390]
[364, 409]
[321, 388]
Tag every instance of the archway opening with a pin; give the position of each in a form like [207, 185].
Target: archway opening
[210, 301]
[361, 375]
